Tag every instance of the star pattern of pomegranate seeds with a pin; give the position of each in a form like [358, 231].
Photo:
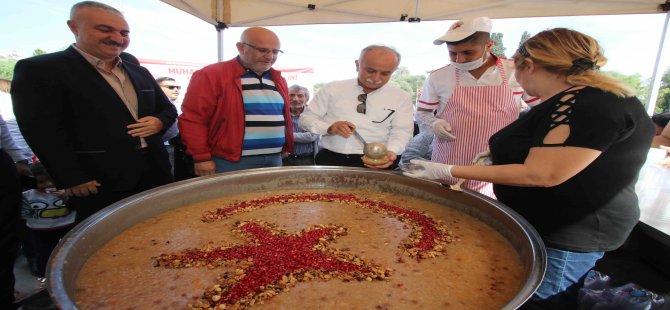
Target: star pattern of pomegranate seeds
[274, 261]
[427, 239]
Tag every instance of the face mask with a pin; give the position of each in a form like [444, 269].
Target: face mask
[472, 65]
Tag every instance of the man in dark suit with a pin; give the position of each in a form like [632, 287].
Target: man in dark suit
[94, 119]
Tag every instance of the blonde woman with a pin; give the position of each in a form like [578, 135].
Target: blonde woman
[569, 165]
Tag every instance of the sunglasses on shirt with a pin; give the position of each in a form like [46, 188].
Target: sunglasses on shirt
[361, 107]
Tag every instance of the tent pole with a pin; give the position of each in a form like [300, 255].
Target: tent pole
[656, 76]
[219, 40]
[220, 27]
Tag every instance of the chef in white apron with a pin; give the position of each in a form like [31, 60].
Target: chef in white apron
[467, 101]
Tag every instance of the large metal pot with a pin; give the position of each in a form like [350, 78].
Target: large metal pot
[89, 236]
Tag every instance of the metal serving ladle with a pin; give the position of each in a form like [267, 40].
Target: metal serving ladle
[372, 150]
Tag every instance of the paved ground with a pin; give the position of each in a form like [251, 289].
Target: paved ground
[30, 291]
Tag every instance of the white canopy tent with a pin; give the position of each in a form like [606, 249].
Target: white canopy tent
[246, 13]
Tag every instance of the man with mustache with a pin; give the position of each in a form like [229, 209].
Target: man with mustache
[94, 119]
[376, 111]
[236, 114]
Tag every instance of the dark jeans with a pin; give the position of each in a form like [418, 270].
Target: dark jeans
[10, 206]
[564, 276]
[298, 160]
[248, 162]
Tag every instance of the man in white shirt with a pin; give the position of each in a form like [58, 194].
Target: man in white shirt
[467, 101]
[378, 112]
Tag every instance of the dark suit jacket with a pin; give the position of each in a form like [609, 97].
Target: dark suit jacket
[77, 125]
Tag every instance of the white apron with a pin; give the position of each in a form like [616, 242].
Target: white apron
[475, 113]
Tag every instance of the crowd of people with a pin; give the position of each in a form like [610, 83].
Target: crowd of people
[563, 142]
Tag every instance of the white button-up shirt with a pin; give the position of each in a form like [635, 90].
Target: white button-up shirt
[388, 119]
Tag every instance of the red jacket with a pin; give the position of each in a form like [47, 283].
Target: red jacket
[212, 119]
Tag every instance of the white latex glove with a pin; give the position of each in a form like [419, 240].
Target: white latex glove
[423, 169]
[442, 129]
[483, 159]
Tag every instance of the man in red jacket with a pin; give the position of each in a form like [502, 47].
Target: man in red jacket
[235, 114]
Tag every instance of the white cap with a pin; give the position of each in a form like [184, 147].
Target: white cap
[465, 28]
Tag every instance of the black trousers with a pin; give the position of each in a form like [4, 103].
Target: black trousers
[152, 176]
[43, 243]
[183, 163]
[293, 160]
[10, 206]
[327, 157]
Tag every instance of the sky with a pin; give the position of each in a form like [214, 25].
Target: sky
[159, 31]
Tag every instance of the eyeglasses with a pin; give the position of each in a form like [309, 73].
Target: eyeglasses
[360, 108]
[265, 50]
[171, 87]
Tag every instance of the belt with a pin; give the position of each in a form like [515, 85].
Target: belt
[340, 155]
[294, 156]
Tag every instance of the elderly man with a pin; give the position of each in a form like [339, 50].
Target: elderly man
[305, 143]
[376, 111]
[94, 120]
[235, 114]
[467, 101]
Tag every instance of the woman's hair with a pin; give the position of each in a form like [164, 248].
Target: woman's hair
[574, 55]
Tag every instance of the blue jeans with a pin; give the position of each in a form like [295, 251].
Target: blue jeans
[248, 162]
[562, 280]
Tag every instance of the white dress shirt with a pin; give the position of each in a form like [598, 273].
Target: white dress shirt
[388, 119]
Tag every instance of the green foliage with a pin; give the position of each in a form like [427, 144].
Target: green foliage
[407, 82]
[663, 99]
[498, 46]
[665, 80]
[7, 68]
[635, 81]
[524, 36]
[39, 51]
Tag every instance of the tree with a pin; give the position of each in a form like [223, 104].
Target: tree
[39, 51]
[498, 46]
[407, 82]
[663, 99]
[524, 36]
[635, 81]
[7, 69]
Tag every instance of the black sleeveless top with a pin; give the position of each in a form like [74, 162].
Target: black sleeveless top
[596, 209]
